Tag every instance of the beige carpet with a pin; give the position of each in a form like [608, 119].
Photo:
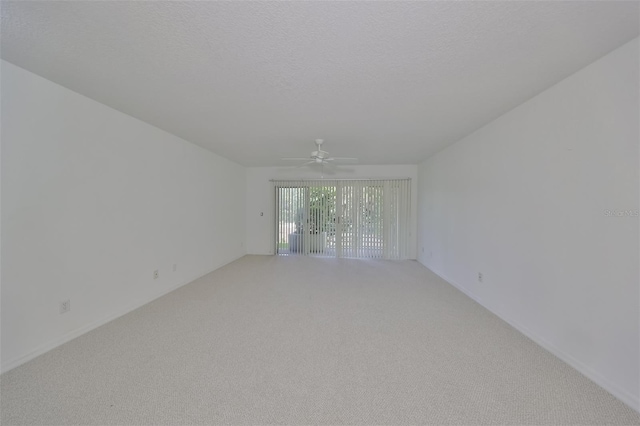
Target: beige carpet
[301, 340]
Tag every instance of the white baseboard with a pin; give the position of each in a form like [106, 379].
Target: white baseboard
[587, 371]
[52, 344]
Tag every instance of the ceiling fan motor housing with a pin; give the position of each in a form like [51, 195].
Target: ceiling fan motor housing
[319, 154]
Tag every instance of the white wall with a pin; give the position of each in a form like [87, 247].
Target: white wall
[261, 198]
[525, 201]
[93, 201]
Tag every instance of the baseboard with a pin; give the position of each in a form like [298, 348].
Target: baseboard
[95, 324]
[585, 370]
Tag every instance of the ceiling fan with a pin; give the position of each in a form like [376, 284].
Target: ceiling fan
[321, 157]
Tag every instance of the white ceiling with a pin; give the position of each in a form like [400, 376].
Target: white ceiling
[388, 82]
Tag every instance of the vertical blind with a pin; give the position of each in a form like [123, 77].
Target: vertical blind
[343, 218]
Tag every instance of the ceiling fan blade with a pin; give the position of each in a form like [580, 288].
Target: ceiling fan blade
[343, 159]
[328, 164]
[295, 158]
[307, 163]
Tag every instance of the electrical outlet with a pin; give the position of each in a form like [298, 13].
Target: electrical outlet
[480, 277]
[65, 306]
[156, 274]
[175, 267]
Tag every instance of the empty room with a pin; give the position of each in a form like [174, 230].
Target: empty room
[320, 212]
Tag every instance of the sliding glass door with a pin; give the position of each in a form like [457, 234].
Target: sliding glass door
[306, 219]
[343, 218]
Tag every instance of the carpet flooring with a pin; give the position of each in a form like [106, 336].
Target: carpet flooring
[301, 340]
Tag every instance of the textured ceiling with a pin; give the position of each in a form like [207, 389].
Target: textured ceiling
[388, 82]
